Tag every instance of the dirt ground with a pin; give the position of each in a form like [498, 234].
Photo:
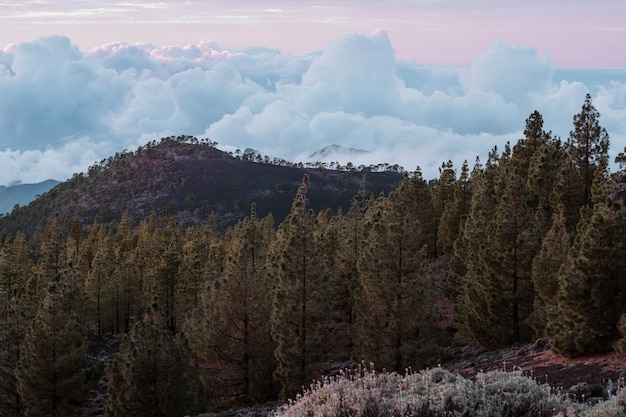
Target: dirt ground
[538, 362]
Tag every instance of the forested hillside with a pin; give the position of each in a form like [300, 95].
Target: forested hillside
[190, 180]
[533, 241]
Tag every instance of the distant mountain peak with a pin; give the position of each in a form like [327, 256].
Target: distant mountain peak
[251, 151]
[22, 194]
[334, 150]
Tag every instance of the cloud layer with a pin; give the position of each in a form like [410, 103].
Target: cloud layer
[62, 109]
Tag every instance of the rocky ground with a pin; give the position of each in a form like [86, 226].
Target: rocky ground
[537, 361]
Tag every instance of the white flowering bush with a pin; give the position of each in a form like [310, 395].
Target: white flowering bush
[437, 392]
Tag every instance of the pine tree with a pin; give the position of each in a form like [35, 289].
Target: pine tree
[584, 153]
[502, 237]
[15, 268]
[488, 305]
[469, 257]
[568, 195]
[193, 272]
[348, 288]
[590, 145]
[457, 257]
[397, 317]
[85, 250]
[590, 299]
[231, 329]
[77, 232]
[124, 279]
[150, 375]
[11, 337]
[542, 175]
[545, 270]
[333, 296]
[51, 368]
[455, 212]
[508, 254]
[100, 283]
[295, 273]
[527, 147]
[548, 227]
[443, 190]
[163, 275]
[421, 202]
[146, 250]
[48, 268]
[515, 233]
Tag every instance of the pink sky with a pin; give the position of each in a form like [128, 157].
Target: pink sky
[574, 33]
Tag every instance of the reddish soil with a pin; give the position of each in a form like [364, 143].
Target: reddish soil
[538, 362]
[534, 360]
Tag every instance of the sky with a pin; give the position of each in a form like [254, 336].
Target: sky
[416, 82]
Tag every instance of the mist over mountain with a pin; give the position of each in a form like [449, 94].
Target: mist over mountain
[334, 151]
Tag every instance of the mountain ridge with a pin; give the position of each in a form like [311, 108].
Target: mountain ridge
[194, 182]
[22, 194]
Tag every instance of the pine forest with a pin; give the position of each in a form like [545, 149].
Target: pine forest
[529, 243]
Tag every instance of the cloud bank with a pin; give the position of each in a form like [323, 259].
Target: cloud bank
[62, 109]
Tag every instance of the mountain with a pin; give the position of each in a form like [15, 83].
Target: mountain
[193, 182]
[336, 152]
[22, 194]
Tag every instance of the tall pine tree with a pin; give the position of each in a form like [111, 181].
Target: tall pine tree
[151, 374]
[51, 369]
[590, 145]
[443, 191]
[590, 300]
[397, 318]
[469, 256]
[296, 274]
[15, 269]
[100, 282]
[455, 212]
[545, 270]
[231, 329]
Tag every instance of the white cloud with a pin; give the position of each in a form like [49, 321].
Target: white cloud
[511, 72]
[51, 95]
[35, 165]
[361, 72]
[62, 109]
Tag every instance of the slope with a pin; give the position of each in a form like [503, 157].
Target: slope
[193, 182]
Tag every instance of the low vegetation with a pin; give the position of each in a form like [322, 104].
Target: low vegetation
[437, 392]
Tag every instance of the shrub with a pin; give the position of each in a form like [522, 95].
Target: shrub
[437, 392]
